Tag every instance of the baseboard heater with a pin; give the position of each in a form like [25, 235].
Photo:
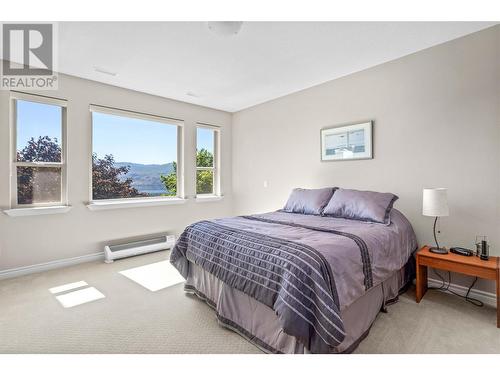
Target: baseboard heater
[129, 249]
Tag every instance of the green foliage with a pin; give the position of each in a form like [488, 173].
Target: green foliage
[106, 183]
[204, 182]
[170, 181]
[44, 149]
[107, 178]
[204, 178]
[204, 158]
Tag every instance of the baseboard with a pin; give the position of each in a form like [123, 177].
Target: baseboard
[485, 297]
[41, 267]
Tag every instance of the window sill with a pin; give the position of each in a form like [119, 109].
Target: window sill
[208, 198]
[35, 211]
[133, 203]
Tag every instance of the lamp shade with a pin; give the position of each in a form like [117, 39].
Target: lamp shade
[435, 202]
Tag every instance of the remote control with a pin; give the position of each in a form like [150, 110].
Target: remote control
[461, 251]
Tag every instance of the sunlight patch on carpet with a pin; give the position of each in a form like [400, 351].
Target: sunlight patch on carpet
[66, 287]
[79, 297]
[154, 276]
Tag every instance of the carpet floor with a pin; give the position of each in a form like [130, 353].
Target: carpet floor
[129, 318]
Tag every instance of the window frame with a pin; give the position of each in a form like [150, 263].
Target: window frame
[140, 116]
[14, 164]
[216, 167]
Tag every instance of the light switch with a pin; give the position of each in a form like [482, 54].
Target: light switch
[265, 183]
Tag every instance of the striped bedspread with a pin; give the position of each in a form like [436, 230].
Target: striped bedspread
[291, 278]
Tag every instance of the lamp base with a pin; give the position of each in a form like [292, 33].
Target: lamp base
[438, 250]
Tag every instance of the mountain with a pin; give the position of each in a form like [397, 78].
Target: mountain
[146, 177]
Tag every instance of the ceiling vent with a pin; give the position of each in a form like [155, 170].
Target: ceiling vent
[225, 28]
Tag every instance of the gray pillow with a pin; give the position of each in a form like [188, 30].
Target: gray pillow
[361, 205]
[308, 201]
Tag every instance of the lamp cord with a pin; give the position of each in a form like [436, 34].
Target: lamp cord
[435, 237]
[446, 288]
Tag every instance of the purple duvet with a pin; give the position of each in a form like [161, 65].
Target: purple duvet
[306, 268]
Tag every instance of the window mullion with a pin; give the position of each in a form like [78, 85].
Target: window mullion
[35, 164]
[205, 168]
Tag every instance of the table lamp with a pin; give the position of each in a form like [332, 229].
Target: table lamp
[435, 203]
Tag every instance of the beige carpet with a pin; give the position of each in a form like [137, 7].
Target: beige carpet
[133, 319]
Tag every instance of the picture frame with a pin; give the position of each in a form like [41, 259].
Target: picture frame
[352, 141]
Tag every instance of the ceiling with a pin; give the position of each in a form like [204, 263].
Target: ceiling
[266, 60]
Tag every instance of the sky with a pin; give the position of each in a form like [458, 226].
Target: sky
[127, 139]
[205, 139]
[133, 140]
[37, 120]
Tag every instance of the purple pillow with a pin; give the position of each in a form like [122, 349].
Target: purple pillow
[308, 201]
[361, 205]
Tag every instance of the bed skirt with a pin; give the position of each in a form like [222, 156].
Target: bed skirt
[259, 324]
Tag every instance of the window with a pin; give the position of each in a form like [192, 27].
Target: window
[134, 155]
[207, 162]
[39, 166]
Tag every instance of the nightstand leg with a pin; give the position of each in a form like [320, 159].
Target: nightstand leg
[498, 296]
[421, 281]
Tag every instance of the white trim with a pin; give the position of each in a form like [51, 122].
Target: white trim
[42, 267]
[14, 164]
[142, 116]
[38, 164]
[132, 203]
[208, 198]
[38, 98]
[485, 297]
[35, 211]
[217, 163]
[138, 115]
[13, 152]
[216, 168]
[181, 189]
[207, 126]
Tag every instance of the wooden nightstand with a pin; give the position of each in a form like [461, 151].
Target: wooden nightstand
[473, 266]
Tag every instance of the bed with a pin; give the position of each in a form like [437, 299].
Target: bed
[297, 283]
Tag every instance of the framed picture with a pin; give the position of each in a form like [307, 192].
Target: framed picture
[347, 142]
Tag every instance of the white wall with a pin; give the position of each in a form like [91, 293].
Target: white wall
[31, 240]
[437, 124]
